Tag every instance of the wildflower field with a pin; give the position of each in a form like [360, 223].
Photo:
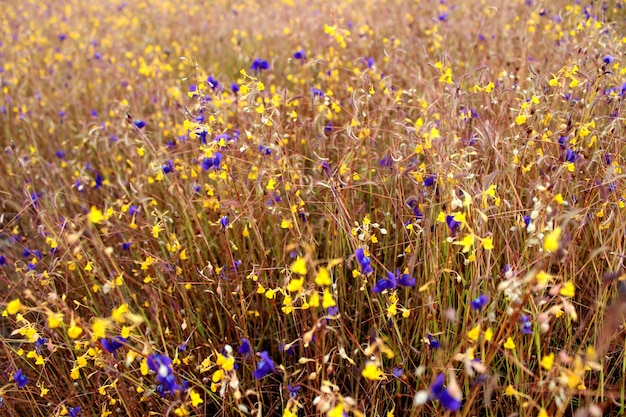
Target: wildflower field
[312, 208]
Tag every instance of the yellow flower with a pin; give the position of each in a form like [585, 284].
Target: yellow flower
[467, 242]
[520, 120]
[336, 411]
[295, 285]
[509, 344]
[542, 412]
[119, 313]
[14, 306]
[372, 372]
[488, 334]
[74, 331]
[95, 215]
[299, 266]
[196, 400]
[547, 362]
[181, 411]
[551, 241]
[488, 243]
[328, 300]
[99, 327]
[474, 333]
[568, 289]
[323, 277]
[314, 300]
[543, 278]
[217, 376]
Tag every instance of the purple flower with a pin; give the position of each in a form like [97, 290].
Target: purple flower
[429, 181]
[453, 225]
[113, 344]
[406, 280]
[433, 342]
[212, 162]
[212, 82]
[526, 325]
[140, 124]
[570, 155]
[416, 209]
[386, 162]
[293, 391]
[392, 281]
[479, 302]
[608, 59]
[317, 92]
[39, 344]
[245, 348]
[383, 284]
[234, 87]
[265, 366]
[20, 379]
[167, 167]
[162, 365]
[74, 411]
[259, 65]
[364, 261]
[443, 395]
[301, 54]
[397, 372]
[224, 221]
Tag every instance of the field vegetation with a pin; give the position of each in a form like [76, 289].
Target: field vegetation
[312, 208]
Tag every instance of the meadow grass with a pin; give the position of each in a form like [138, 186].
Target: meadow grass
[298, 208]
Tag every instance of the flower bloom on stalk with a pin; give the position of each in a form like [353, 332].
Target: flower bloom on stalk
[212, 162]
[265, 366]
[449, 398]
[433, 342]
[364, 261]
[245, 348]
[300, 54]
[224, 221]
[162, 365]
[20, 379]
[259, 65]
[453, 225]
[392, 281]
[111, 345]
[526, 325]
[479, 302]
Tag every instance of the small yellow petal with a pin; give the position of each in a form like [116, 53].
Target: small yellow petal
[552, 240]
[474, 333]
[14, 306]
[509, 344]
[568, 289]
[547, 362]
[372, 372]
[299, 266]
